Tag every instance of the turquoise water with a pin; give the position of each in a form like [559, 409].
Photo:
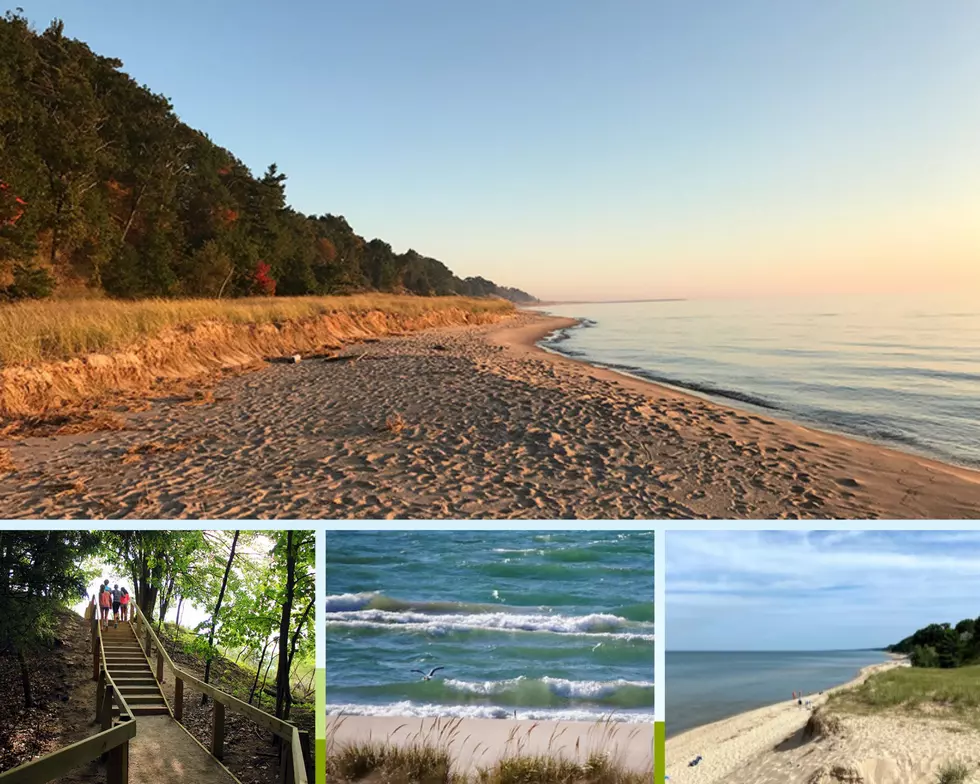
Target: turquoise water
[903, 371]
[547, 625]
[703, 687]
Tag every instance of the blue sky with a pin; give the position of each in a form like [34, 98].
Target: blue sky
[812, 590]
[603, 150]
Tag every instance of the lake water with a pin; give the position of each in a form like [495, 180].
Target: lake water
[901, 371]
[550, 625]
[703, 687]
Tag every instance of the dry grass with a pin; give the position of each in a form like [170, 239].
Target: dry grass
[136, 453]
[56, 356]
[6, 462]
[953, 773]
[822, 725]
[62, 424]
[46, 331]
[428, 759]
[395, 423]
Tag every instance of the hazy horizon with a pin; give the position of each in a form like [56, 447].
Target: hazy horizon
[605, 152]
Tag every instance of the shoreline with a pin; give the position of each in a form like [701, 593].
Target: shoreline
[475, 743]
[465, 422]
[969, 472]
[731, 743]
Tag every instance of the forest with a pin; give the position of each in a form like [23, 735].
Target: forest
[942, 645]
[251, 595]
[103, 190]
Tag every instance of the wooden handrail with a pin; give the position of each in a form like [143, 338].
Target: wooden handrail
[111, 741]
[292, 762]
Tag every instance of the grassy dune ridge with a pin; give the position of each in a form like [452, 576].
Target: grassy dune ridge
[58, 354]
[52, 330]
[956, 691]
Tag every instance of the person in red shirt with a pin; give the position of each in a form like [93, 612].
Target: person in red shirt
[124, 605]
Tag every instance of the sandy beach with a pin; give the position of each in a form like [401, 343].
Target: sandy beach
[472, 422]
[480, 742]
[766, 746]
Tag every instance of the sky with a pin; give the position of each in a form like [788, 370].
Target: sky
[639, 148]
[813, 590]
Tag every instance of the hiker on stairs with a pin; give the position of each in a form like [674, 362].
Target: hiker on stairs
[105, 603]
[116, 596]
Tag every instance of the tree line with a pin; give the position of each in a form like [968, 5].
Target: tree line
[256, 589]
[103, 188]
[942, 645]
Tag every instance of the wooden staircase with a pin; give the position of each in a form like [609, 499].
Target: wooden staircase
[131, 671]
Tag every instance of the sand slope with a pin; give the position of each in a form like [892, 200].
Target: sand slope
[493, 428]
[766, 746]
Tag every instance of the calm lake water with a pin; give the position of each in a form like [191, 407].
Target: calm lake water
[900, 371]
[551, 625]
[703, 687]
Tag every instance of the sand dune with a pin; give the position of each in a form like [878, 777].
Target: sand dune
[766, 746]
[464, 423]
[480, 742]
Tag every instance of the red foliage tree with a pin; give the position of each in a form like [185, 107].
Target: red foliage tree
[262, 282]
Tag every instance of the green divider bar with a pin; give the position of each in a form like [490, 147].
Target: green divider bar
[321, 726]
[659, 744]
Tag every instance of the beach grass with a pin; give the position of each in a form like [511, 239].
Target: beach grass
[928, 691]
[428, 758]
[953, 773]
[51, 330]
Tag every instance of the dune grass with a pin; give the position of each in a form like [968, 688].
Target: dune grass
[953, 773]
[954, 691]
[428, 759]
[51, 330]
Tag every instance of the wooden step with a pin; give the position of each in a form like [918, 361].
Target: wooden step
[149, 710]
[136, 668]
[134, 680]
[142, 698]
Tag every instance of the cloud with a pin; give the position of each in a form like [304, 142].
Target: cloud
[815, 590]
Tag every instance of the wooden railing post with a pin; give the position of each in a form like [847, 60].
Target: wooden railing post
[117, 771]
[107, 698]
[99, 695]
[218, 730]
[304, 742]
[159, 665]
[285, 763]
[96, 659]
[178, 698]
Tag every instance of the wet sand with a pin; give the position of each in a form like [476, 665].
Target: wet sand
[471, 422]
[475, 743]
[766, 746]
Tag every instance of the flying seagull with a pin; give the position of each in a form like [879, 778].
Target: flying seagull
[432, 672]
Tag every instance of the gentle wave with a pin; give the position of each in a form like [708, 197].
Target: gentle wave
[596, 624]
[344, 602]
[425, 710]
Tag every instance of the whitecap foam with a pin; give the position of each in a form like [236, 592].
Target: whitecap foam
[595, 624]
[412, 709]
[558, 686]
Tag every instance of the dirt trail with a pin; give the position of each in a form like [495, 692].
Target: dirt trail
[163, 753]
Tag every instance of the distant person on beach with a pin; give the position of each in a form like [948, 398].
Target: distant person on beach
[124, 604]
